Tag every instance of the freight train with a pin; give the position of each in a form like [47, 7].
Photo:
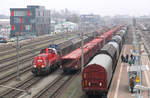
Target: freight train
[49, 58]
[97, 75]
[72, 61]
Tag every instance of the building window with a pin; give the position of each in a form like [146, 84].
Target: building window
[12, 13]
[12, 27]
[19, 13]
[28, 27]
[28, 13]
[18, 20]
[32, 21]
[38, 13]
[21, 27]
[21, 20]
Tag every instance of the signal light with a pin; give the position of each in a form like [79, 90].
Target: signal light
[42, 66]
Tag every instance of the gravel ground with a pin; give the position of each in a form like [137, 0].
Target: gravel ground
[14, 82]
[44, 82]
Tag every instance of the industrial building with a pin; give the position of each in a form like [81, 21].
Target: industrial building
[89, 20]
[33, 20]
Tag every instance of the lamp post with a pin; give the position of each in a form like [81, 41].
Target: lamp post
[138, 60]
[82, 51]
[17, 50]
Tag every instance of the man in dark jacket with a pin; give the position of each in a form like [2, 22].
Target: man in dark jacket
[132, 84]
[127, 56]
[122, 58]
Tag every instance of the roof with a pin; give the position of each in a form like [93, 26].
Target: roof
[102, 60]
[77, 53]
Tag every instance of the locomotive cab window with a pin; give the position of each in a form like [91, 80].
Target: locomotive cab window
[43, 51]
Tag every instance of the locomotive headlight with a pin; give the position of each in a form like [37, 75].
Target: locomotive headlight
[42, 66]
[100, 84]
[34, 66]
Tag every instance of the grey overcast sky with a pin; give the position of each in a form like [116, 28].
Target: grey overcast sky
[102, 7]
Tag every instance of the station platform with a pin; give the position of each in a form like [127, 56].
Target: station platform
[119, 87]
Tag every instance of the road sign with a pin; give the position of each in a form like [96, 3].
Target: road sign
[141, 87]
[137, 79]
[137, 68]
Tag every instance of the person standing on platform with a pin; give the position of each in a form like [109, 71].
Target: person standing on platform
[127, 56]
[130, 62]
[131, 56]
[132, 84]
[122, 58]
[133, 59]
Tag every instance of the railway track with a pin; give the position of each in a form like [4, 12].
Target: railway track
[26, 84]
[13, 64]
[35, 42]
[52, 89]
[22, 52]
[7, 78]
[27, 50]
[29, 43]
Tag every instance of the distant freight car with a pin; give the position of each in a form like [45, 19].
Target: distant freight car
[122, 34]
[112, 51]
[117, 39]
[72, 61]
[97, 75]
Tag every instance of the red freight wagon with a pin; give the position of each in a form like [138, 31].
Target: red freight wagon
[97, 75]
[72, 61]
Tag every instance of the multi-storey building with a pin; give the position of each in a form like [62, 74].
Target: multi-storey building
[89, 20]
[33, 20]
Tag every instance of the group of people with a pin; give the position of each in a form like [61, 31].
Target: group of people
[125, 59]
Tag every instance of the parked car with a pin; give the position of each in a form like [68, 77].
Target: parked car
[3, 40]
[11, 40]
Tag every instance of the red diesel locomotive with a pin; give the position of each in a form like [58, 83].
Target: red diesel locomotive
[46, 61]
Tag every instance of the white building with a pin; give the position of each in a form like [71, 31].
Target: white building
[66, 27]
